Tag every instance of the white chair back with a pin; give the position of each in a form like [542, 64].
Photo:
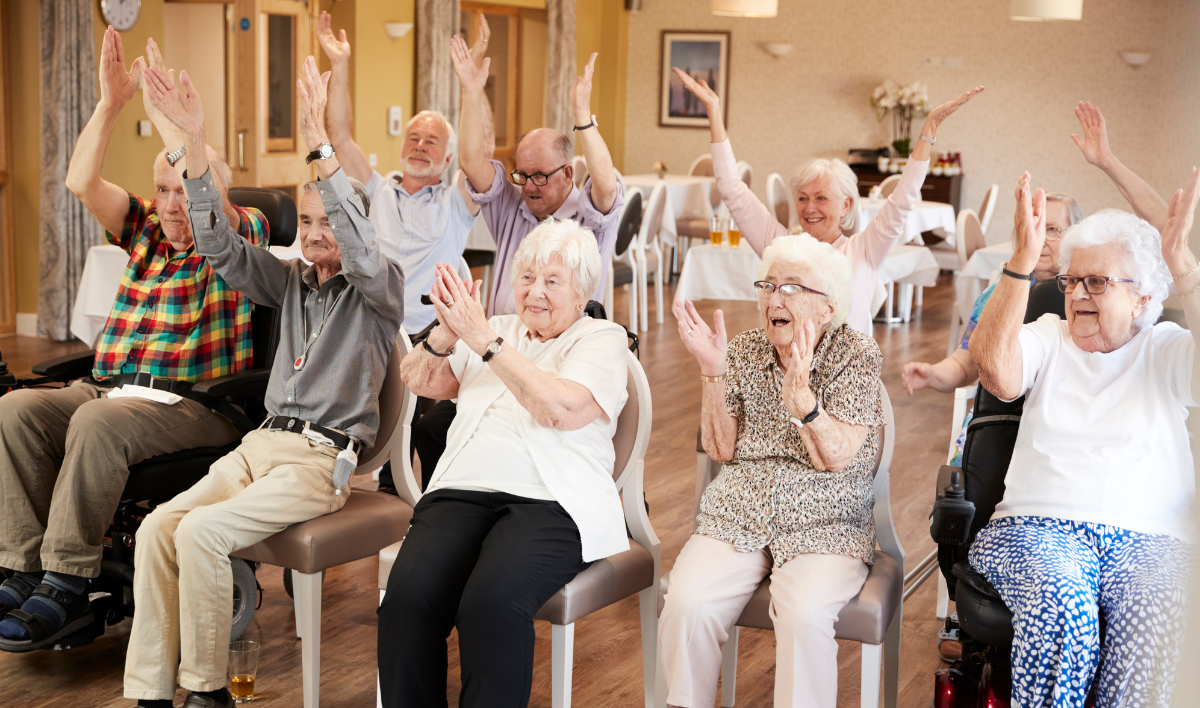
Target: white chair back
[579, 165]
[653, 213]
[778, 200]
[745, 172]
[887, 186]
[396, 405]
[988, 207]
[620, 180]
[968, 236]
[702, 166]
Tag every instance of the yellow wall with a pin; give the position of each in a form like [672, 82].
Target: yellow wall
[533, 71]
[384, 75]
[22, 47]
[602, 26]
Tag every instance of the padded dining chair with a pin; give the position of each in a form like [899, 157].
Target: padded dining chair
[778, 200]
[702, 166]
[579, 165]
[367, 523]
[649, 242]
[609, 580]
[968, 238]
[988, 207]
[887, 186]
[627, 262]
[745, 172]
[873, 617]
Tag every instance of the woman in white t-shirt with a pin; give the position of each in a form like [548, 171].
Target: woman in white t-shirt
[523, 499]
[1095, 518]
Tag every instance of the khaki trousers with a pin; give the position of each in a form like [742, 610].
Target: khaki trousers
[64, 459]
[710, 586]
[183, 585]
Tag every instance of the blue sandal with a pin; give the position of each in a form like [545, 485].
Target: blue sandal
[43, 634]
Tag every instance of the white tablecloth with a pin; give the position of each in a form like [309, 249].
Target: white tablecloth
[687, 198]
[98, 288]
[925, 216]
[976, 275]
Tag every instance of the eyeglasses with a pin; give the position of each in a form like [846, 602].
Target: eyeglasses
[1094, 284]
[787, 290]
[538, 179]
[1053, 233]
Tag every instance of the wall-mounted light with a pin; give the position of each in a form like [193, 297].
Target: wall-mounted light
[1135, 59]
[777, 49]
[745, 8]
[1044, 10]
[396, 30]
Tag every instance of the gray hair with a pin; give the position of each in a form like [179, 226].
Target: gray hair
[570, 242]
[843, 179]
[829, 268]
[220, 169]
[561, 145]
[1142, 262]
[358, 187]
[1074, 211]
[451, 135]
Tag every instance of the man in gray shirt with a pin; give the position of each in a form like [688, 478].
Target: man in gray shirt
[339, 319]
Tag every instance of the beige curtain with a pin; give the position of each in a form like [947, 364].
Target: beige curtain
[68, 73]
[560, 64]
[437, 84]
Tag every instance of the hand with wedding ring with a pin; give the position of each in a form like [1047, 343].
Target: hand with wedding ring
[460, 311]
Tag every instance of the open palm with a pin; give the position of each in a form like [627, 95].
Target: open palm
[179, 104]
[116, 84]
[1094, 143]
[708, 345]
[335, 47]
[473, 78]
[947, 109]
[1180, 216]
[703, 91]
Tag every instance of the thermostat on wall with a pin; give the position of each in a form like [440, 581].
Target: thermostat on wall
[395, 120]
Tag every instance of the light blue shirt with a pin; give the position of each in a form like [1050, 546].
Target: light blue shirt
[418, 231]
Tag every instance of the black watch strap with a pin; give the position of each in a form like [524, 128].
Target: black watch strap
[816, 411]
[1018, 276]
[431, 350]
[585, 127]
[489, 353]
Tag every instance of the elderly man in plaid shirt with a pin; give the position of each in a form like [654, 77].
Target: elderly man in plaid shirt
[65, 453]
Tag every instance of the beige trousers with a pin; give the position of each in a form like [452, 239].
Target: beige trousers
[711, 584]
[64, 458]
[183, 585]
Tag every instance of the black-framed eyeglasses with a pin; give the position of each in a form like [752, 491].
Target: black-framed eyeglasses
[1094, 284]
[538, 179]
[766, 289]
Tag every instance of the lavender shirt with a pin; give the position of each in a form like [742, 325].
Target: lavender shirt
[510, 221]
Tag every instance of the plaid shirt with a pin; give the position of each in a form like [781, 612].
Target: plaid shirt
[174, 317]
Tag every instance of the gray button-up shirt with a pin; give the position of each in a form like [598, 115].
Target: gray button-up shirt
[351, 319]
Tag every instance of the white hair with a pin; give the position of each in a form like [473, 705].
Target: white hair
[451, 136]
[570, 242]
[1142, 262]
[841, 177]
[827, 266]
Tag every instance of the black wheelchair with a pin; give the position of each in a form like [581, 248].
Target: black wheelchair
[154, 481]
[966, 499]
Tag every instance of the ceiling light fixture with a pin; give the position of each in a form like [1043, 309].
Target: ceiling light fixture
[1045, 10]
[745, 8]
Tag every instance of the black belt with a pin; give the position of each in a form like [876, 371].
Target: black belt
[141, 378]
[296, 425]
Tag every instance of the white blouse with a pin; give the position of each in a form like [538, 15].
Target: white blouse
[495, 445]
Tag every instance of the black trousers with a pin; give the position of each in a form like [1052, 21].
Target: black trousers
[484, 563]
[429, 435]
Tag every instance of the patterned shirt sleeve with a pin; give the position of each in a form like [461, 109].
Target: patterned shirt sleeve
[976, 311]
[852, 396]
[135, 221]
[734, 361]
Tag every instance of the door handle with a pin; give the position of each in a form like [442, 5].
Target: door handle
[241, 149]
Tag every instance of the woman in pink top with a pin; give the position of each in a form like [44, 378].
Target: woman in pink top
[825, 192]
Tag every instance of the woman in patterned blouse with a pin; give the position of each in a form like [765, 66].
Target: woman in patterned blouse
[793, 410]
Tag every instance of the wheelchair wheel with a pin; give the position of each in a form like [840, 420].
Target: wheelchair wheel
[245, 596]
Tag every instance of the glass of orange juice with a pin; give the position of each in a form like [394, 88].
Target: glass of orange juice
[735, 235]
[716, 230]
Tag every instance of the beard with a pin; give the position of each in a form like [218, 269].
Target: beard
[417, 170]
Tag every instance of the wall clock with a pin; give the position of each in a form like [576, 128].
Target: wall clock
[121, 14]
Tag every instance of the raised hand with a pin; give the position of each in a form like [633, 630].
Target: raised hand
[314, 94]
[917, 375]
[707, 345]
[117, 85]
[473, 78]
[708, 97]
[459, 307]
[178, 104]
[1094, 143]
[1030, 222]
[933, 121]
[1180, 215]
[479, 48]
[336, 48]
[796, 395]
[581, 93]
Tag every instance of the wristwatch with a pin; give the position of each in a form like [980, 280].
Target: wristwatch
[801, 422]
[324, 151]
[493, 349]
[173, 157]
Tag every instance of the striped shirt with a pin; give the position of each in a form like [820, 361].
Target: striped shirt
[174, 317]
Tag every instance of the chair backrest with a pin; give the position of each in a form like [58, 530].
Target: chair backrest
[702, 166]
[633, 424]
[620, 180]
[275, 204]
[579, 165]
[629, 223]
[745, 172]
[887, 186]
[652, 214]
[778, 201]
[464, 270]
[396, 405]
[988, 207]
[968, 236]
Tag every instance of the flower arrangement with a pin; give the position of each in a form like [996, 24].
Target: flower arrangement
[661, 168]
[903, 103]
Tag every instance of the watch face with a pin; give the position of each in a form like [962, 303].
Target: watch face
[326, 151]
[121, 14]
[494, 347]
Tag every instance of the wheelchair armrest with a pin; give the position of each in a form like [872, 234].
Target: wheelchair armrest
[244, 384]
[950, 521]
[943, 479]
[65, 368]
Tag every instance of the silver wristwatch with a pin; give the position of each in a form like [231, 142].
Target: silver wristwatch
[931, 141]
[173, 157]
[493, 349]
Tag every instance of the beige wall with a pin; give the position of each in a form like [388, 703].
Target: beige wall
[814, 101]
[383, 75]
[22, 47]
[602, 26]
[193, 40]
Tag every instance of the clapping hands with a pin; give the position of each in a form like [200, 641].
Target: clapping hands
[314, 94]
[459, 307]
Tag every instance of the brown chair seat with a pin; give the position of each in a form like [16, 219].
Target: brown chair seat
[368, 522]
[692, 228]
[606, 581]
[864, 619]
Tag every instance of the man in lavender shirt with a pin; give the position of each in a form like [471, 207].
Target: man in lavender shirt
[543, 181]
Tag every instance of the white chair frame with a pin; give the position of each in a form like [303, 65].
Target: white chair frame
[888, 185]
[636, 262]
[777, 193]
[648, 238]
[958, 318]
[988, 207]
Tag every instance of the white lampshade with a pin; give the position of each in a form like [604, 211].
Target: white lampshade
[1042, 10]
[745, 8]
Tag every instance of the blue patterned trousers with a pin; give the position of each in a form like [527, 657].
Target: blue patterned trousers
[1057, 577]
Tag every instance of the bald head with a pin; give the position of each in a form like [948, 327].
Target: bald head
[548, 140]
[548, 152]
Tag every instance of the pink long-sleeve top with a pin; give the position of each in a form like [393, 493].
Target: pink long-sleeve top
[866, 249]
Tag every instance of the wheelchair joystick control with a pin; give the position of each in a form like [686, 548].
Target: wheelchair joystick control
[952, 514]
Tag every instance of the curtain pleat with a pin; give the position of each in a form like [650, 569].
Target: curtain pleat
[560, 64]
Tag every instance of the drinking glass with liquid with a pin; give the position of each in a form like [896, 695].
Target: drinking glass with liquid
[243, 665]
[716, 229]
[735, 235]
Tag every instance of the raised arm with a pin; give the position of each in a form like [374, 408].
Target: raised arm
[1182, 263]
[600, 165]
[710, 347]
[1094, 146]
[478, 53]
[339, 115]
[472, 156]
[994, 345]
[105, 200]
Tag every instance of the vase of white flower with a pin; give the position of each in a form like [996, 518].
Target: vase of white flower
[902, 103]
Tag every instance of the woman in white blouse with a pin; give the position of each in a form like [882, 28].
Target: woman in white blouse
[523, 499]
[826, 192]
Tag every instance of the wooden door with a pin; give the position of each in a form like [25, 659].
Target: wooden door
[8, 266]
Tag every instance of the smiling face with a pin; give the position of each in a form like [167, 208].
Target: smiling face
[316, 238]
[425, 144]
[784, 317]
[171, 204]
[1057, 217]
[1104, 322]
[546, 299]
[537, 152]
[821, 209]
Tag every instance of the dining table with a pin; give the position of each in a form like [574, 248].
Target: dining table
[688, 197]
[924, 216]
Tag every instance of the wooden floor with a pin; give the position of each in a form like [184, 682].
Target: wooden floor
[608, 669]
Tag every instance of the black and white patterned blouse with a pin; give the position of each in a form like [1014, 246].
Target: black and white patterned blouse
[770, 495]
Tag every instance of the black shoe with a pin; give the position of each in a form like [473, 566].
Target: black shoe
[209, 699]
[388, 489]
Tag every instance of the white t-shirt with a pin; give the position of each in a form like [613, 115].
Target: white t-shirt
[576, 466]
[1103, 437]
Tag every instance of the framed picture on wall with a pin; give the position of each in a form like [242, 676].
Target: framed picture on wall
[701, 55]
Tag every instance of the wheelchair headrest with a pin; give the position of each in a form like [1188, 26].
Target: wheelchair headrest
[276, 204]
[1045, 299]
